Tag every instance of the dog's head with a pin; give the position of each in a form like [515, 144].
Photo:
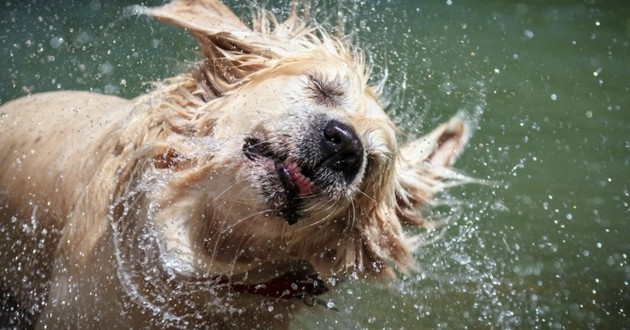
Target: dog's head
[313, 135]
[282, 159]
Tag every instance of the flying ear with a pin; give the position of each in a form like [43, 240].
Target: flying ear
[229, 47]
[232, 51]
[440, 147]
[424, 165]
[208, 17]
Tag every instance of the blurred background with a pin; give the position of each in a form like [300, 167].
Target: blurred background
[546, 246]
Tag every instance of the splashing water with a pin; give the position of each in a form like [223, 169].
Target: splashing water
[545, 85]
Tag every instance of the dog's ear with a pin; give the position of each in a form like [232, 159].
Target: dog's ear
[209, 17]
[424, 165]
[441, 146]
[232, 51]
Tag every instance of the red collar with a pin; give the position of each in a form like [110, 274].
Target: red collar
[286, 287]
[283, 287]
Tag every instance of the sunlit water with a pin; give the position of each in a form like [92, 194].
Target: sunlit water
[547, 246]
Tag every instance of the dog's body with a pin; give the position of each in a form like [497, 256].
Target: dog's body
[227, 196]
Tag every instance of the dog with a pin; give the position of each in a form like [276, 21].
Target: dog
[229, 196]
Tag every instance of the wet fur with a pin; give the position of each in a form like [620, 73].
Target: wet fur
[143, 212]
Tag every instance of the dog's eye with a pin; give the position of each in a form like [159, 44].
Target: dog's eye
[328, 93]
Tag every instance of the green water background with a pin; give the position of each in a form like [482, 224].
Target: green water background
[546, 247]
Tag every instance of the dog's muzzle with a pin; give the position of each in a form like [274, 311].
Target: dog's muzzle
[330, 156]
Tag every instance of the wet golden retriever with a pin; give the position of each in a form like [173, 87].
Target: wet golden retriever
[232, 195]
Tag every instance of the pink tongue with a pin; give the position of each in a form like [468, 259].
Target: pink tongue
[304, 184]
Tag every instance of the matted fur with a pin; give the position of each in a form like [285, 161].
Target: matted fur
[161, 211]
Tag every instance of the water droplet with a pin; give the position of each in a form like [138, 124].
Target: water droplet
[56, 42]
[105, 68]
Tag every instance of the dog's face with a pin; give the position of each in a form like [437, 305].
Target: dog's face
[303, 147]
[300, 170]
[310, 134]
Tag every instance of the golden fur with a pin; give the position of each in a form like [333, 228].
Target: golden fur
[166, 210]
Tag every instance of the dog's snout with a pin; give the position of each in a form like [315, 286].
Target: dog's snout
[341, 149]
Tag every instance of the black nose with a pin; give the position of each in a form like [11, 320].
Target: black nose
[341, 149]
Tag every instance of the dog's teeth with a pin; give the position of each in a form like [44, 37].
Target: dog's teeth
[304, 184]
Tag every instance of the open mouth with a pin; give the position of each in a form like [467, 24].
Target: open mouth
[294, 179]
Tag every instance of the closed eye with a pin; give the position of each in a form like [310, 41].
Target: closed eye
[324, 92]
